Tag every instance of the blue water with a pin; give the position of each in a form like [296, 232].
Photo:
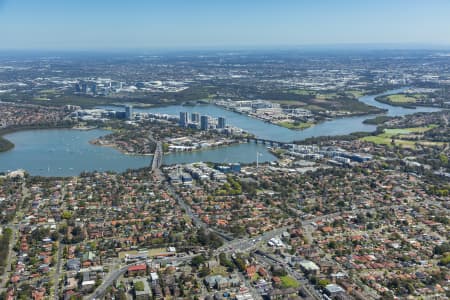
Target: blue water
[62, 152]
[65, 152]
[395, 111]
[261, 129]
[243, 153]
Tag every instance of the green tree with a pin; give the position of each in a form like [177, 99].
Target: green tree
[197, 261]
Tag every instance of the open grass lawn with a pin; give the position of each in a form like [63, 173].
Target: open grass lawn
[289, 282]
[401, 98]
[355, 93]
[395, 135]
[314, 108]
[327, 96]
[324, 96]
[295, 126]
[289, 102]
[388, 141]
[219, 270]
[83, 101]
[302, 92]
[49, 91]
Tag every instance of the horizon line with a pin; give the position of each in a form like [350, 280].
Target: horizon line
[318, 46]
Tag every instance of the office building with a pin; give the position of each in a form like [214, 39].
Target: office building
[204, 123]
[129, 112]
[235, 167]
[195, 117]
[84, 88]
[221, 123]
[184, 119]
[94, 89]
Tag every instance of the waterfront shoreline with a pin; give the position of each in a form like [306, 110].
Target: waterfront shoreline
[336, 127]
[10, 130]
[5, 145]
[114, 146]
[360, 114]
[381, 99]
[95, 142]
[84, 128]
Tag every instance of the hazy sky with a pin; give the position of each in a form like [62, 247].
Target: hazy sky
[108, 24]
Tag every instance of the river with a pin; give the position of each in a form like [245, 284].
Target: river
[338, 126]
[66, 152]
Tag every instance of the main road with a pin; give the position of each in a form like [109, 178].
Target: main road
[107, 282]
[158, 155]
[230, 244]
[270, 259]
[156, 165]
[14, 236]
[242, 245]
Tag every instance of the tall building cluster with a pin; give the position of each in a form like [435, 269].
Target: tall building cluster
[195, 120]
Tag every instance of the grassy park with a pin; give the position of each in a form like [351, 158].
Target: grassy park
[399, 136]
[289, 282]
[402, 98]
[295, 125]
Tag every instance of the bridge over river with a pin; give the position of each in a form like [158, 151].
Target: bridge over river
[157, 157]
[266, 142]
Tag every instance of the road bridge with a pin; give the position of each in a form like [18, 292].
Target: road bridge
[158, 155]
[266, 142]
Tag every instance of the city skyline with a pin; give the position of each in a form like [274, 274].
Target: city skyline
[83, 25]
